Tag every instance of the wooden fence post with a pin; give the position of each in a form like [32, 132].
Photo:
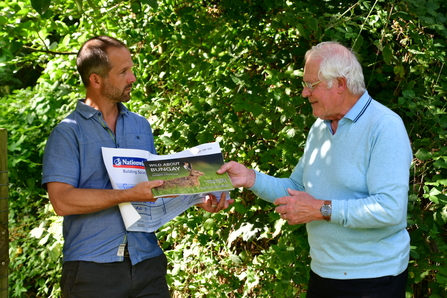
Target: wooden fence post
[4, 234]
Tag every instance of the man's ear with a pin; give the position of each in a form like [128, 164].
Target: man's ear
[342, 85]
[95, 80]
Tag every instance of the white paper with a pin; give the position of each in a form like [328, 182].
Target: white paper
[126, 169]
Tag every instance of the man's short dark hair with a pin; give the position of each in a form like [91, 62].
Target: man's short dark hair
[93, 57]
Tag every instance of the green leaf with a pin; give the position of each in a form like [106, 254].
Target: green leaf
[423, 154]
[312, 23]
[410, 94]
[135, 6]
[387, 54]
[37, 232]
[209, 224]
[442, 279]
[399, 71]
[302, 31]
[440, 164]
[239, 208]
[41, 6]
[236, 80]
[79, 5]
[90, 2]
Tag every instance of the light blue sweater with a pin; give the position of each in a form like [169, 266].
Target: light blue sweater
[364, 170]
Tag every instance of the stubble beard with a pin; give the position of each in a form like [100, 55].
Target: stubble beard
[115, 94]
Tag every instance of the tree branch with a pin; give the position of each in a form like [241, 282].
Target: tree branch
[49, 51]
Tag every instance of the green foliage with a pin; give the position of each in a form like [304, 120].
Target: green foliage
[225, 70]
[29, 115]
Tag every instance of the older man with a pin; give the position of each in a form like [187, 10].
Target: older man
[350, 186]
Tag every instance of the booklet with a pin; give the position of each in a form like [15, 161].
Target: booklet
[126, 168]
[192, 171]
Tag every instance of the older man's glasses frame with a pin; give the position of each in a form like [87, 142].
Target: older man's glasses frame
[310, 86]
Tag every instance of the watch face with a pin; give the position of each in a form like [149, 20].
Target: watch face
[326, 210]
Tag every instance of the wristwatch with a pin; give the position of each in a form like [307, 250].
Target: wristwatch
[326, 210]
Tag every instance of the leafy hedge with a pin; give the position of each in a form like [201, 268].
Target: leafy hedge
[230, 71]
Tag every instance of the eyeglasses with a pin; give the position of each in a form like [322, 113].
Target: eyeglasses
[310, 86]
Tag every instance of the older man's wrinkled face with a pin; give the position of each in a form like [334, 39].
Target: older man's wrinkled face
[325, 102]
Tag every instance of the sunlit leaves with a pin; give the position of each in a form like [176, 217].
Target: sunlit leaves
[228, 71]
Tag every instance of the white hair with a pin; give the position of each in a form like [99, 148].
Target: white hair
[337, 61]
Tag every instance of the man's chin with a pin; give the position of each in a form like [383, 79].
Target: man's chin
[125, 98]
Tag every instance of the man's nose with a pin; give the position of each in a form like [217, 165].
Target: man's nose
[132, 78]
[305, 93]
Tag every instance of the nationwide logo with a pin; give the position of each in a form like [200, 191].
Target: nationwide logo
[128, 162]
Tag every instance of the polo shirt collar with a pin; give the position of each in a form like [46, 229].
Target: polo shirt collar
[359, 108]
